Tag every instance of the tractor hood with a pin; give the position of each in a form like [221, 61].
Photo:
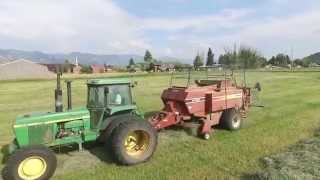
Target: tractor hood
[49, 117]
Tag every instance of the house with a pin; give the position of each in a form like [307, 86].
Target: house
[24, 69]
[109, 68]
[96, 68]
[163, 67]
[76, 69]
[53, 67]
[66, 68]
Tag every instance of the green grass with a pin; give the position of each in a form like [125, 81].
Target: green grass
[292, 113]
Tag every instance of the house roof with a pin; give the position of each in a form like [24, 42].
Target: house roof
[17, 61]
[97, 66]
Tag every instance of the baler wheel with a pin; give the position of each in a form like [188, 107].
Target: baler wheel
[134, 142]
[206, 136]
[30, 163]
[231, 119]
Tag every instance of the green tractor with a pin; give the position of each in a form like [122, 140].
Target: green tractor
[111, 116]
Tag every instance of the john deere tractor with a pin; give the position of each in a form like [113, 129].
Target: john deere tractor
[111, 116]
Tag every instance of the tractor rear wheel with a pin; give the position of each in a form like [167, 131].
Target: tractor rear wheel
[231, 119]
[134, 142]
[107, 134]
[35, 162]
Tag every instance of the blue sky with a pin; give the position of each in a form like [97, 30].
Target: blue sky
[175, 28]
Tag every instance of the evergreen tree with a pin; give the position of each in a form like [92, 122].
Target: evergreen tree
[197, 62]
[131, 62]
[148, 56]
[210, 58]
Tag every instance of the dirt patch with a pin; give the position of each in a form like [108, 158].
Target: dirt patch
[300, 161]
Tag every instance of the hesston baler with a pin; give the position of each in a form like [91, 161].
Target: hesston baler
[217, 99]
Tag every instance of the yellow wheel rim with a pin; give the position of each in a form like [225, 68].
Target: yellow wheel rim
[32, 168]
[136, 143]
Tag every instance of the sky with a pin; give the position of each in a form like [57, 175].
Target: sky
[168, 28]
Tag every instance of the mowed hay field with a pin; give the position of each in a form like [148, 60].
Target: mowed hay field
[291, 113]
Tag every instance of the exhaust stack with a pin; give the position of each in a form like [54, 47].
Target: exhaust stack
[58, 93]
[69, 94]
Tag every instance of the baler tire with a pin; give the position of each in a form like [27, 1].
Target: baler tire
[231, 119]
[14, 167]
[140, 154]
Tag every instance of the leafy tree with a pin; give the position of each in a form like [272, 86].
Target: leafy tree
[210, 58]
[280, 60]
[67, 66]
[198, 62]
[248, 58]
[245, 57]
[180, 66]
[86, 69]
[298, 62]
[228, 59]
[148, 56]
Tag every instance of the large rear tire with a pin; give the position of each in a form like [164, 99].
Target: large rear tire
[231, 119]
[34, 162]
[107, 134]
[134, 142]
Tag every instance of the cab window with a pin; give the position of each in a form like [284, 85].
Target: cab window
[96, 97]
[119, 95]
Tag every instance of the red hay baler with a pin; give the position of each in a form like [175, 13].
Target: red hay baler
[204, 105]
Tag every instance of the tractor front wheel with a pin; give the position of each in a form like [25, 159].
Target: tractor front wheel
[134, 142]
[35, 162]
[231, 119]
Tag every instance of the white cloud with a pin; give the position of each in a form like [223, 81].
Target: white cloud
[270, 35]
[221, 19]
[100, 26]
[279, 34]
[90, 26]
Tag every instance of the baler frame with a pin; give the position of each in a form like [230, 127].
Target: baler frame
[204, 105]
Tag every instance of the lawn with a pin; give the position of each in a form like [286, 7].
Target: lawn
[291, 113]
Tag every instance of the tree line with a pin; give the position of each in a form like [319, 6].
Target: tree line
[243, 57]
[247, 57]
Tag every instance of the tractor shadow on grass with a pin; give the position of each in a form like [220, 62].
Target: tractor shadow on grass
[149, 114]
[5, 157]
[96, 149]
[5, 153]
[70, 159]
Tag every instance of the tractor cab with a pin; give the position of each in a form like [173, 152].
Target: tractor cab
[106, 97]
[108, 93]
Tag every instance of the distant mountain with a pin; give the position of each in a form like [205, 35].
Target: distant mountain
[83, 58]
[314, 58]
[3, 60]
